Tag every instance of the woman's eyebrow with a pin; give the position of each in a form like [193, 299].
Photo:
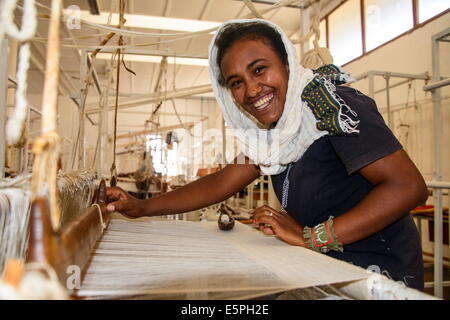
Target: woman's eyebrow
[255, 62]
[249, 66]
[230, 77]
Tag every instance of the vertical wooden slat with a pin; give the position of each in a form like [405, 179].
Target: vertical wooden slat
[363, 26]
[415, 9]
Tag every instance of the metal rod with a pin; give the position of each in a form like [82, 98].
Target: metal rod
[13, 81]
[162, 53]
[438, 184]
[441, 35]
[393, 85]
[437, 85]
[83, 77]
[35, 110]
[153, 97]
[371, 86]
[388, 102]
[431, 284]
[28, 139]
[90, 120]
[422, 76]
[224, 143]
[160, 129]
[94, 75]
[437, 176]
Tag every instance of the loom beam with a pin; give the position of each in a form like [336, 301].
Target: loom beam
[71, 246]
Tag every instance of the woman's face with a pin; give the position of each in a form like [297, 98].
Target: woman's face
[257, 78]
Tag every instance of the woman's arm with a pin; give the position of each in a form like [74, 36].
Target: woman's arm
[201, 193]
[398, 187]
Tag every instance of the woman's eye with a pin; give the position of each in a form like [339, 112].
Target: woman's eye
[235, 83]
[259, 69]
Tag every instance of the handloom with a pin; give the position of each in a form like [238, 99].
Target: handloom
[155, 259]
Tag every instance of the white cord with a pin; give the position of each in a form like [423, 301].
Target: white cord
[101, 216]
[16, 123]
[29, 21]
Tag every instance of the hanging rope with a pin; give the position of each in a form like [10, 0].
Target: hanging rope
[317, 56]
[46, 147]
[87, 84]
[7, 26]
[15, 128]
[119, 54]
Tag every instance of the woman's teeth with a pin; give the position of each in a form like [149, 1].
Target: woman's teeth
[263, 102]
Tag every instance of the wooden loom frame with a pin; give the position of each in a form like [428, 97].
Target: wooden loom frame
[72, 245]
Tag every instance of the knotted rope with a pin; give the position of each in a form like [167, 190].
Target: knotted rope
[15, 128]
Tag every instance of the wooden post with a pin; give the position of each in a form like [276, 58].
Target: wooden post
[3, 96]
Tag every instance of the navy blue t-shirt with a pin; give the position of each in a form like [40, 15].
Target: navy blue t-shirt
[325, 182]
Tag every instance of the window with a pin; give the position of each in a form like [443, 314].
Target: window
[386, 19]
[154, 144]
[344, 27]
[383, 21]
[164, 160]
[430, 8]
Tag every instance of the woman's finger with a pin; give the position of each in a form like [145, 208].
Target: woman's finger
[268, 231]
[118, 206]
[264, 211]
[270, 222]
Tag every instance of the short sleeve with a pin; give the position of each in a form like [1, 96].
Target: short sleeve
[374, 141]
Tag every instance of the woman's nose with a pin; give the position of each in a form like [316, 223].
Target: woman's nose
[253, 89]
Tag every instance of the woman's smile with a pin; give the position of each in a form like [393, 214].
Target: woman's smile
[263, 102]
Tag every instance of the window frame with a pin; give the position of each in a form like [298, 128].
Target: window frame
[416, 25]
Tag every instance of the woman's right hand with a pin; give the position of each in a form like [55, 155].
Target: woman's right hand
[122, 202]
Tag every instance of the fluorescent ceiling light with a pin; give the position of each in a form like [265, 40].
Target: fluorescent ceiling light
[151, 22]
[157, 59]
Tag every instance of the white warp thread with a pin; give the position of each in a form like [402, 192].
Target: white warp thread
[147, 258]
[14, 220]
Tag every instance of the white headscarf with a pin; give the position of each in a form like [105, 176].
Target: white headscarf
[296, 127]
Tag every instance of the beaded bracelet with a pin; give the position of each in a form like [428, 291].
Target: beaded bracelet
[322, 237]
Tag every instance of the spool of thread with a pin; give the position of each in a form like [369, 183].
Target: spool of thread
[225, 221]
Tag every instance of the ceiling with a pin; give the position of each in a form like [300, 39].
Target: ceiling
[147, 74]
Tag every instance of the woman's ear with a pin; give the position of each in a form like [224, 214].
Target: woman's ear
[287, 67]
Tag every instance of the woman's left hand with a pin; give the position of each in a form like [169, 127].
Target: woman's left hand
[280, 223]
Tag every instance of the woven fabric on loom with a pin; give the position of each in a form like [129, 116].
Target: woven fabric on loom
[195, 260]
